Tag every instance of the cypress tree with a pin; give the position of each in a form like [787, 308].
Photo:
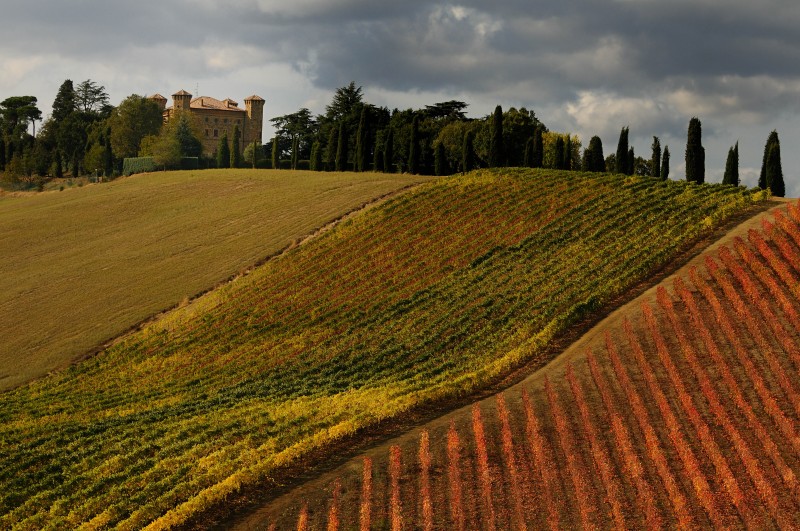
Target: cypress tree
[496, 154]
[413, 148]
[2, 153]
[527, 160]
[59, 169]
[622, 152]
[295, 151]
[538, 148]
[631, 165]
[762, 178]
[440, 160]
[315, 164]
[665, 164]
[468, 152]
[567, 164]
[377, 159]
[558, 155]
[695, 153]
[732, 167]
[236, 148]
[598, 161]
[388, 152]
[341, 149]
[774, 172]
[275, 156]
[224, 151]
[330, 159]
[361, 142]
[108, 156]
[656, 159]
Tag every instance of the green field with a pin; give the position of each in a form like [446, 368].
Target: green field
[83, 265]
[428, 296]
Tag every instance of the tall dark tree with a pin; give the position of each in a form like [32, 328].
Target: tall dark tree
[345, 102]
[315, 162]
[622, 152]
[388, 152]
[496, 150]
[762, 178]
[65, 102]
[593, 155]
[236, 148]
[413, 147]
[558, 157]
[361, 142]
[440, 166]
[341, 148]
[330, 153]
[527, 160]
[224, 151]
[731, 175]
[108, 155]
[631, 165]
[276, 158]
[665, 164]
[538, 148]
[655, 160]
[377, 156]
[91, 98]
[295, 152]
[695, 153]
[567, 164]
[135, 118]
[774, 169]
[468, 152]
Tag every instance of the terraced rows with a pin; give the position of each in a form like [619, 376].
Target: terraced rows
[429, 296]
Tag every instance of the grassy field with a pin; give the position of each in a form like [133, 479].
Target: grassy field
[681, 411]
[428, 296]
[83, 265]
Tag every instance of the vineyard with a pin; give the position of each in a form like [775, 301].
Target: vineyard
[682, 415]
[429, 296]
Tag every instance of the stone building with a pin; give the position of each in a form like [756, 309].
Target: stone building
[217, 117]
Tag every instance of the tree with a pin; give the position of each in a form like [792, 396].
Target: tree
[223, 151]
[253, 153]
[567, 164]
[413, 147]
[772, 139]
[91, 98]
[440, 161]
[593, 156]
[236, 148]
[537, 159]
[388, 152]
[65, 102]
[774, 170]
[330, 153]
[315, 162]
[300, 126]
[135, 118]
[295, 153]
[496, 152]
[527, 159]
[631, 165]
[468, 152]
[276, 160]
[622, 152]
[361, 142]
[345, 102]
[167, 152]
[452, 110]
[655, 160]
[558, 157]
[731, 175]
[341, 149]
[695, 153]
[665, 164]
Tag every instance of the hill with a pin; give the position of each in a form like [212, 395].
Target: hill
[429, 296]
[84, 265]
[679, 410]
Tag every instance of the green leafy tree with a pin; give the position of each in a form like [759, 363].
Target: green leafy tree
[496, 151]
[341, 148]
[223, 151]
[527, 160]
[388, 152]
[135, 118]
[276, 160]
[330, 150]
[253, 153]
[695, 153]
[621, 159]
[315, 162]
[91, 98]
[440, 161]
[468, 152]
[236, 148]
[65, 102]
[413, 147]
[774, 170]
[567, 164]
[295, 153]
[731, 175]
[300, 126]
[665, 164]
[655, 160]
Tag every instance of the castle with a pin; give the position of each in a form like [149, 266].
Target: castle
[217, 117]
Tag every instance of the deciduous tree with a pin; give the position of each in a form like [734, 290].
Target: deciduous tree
[135, 118]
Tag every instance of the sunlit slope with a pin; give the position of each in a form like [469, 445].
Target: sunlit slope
[83, 265]
[427, 296]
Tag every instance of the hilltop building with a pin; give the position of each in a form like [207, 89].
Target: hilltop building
[217, 117]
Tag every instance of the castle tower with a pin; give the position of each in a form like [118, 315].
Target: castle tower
[181, 100]
[160, 100]
[254, 105]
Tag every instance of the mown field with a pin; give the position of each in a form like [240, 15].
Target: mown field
[82, 266]
[428, 296]
[684, 415]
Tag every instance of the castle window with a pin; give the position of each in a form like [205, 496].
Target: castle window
[206, 132]
[216, 120]
[238, 121]
[206, 119]
[216, 133]
[226, 120]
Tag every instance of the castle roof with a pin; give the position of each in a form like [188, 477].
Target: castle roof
[182, 93]
[207, 102]
[254, 98]
[157, 96]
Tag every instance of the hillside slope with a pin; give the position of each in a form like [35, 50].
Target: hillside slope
[86, 264]
[681, 409]
[431, 295]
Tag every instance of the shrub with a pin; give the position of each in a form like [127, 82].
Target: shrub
[138, 165]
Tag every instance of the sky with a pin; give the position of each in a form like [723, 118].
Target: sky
[589, 67]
